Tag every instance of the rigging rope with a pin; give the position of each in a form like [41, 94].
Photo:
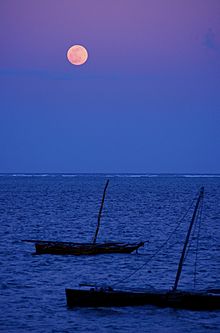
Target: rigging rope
[197, 242]
[197, 221]
[161, 247]
[192, 235]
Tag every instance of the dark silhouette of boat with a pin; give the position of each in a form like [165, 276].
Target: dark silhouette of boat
[107, 297]
[51, 247]
[93, 248]
[93, 296]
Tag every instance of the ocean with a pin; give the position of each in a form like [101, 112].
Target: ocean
[138, 207]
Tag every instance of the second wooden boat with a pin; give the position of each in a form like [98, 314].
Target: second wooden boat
[93, 248]
[51, 247]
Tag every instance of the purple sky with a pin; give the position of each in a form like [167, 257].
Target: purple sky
[147, 100]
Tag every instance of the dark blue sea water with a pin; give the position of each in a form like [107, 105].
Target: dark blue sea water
[137, 207]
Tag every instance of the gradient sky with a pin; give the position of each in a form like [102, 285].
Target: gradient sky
[147, 100]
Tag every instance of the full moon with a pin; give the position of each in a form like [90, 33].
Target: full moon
[77, 55]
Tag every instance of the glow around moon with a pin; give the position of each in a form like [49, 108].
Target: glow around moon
[77, 55]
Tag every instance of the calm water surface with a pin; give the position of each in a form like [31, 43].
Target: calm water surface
[137, 207]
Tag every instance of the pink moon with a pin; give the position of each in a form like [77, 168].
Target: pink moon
[77, 55]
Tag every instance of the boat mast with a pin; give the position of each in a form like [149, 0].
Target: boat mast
[180, 266]
[100, 212]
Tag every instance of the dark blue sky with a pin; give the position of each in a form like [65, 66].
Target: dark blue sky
[147, 100]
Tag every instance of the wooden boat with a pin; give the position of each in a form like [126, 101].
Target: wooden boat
[51, 247]
[93, 296]
[107, 297]
[93, 248]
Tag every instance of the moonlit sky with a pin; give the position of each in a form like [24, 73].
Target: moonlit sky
[147, 99]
